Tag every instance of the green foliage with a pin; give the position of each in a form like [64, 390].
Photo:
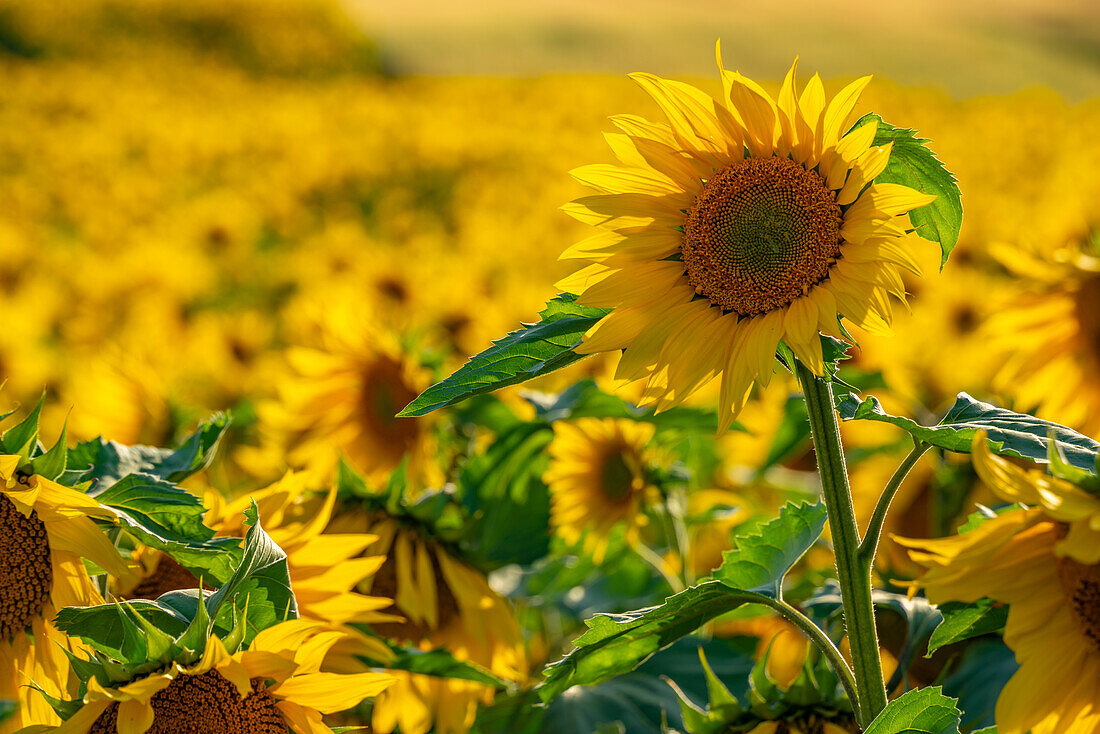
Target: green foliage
[762, 558]
[962, 621]
[22, 438]
[536, 349]
[107, 462]
[1010, 434]
[441, 664]
[978, 678]
[921, 711]
[913, 164]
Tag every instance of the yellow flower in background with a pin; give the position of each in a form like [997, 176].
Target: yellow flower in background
[46, 532]
[598, 480]
[341, 396]
[1044, 562]
[446, 604]
[742, 222]
[272, 687]
[1050, 334]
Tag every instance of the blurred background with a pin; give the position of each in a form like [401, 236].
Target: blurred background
[189, 187]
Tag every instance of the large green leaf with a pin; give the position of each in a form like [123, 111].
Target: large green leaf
[534, 350]
[109, 461]
[441, 664]
[963, 621]
[1012, 434]
[913, 164]
[618, 643]
[920, 711]
[762, 558]
[169, 518]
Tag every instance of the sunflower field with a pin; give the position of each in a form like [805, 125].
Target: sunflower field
[338, 399]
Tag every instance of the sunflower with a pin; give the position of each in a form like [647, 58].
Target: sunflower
[1050, 334]
[341, 396]
[1044, 562]
[446, 604]
[273, 686]
[46, 532]
[325, 568]
[742, 222]
[598, 479]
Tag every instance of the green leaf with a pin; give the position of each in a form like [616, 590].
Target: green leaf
[920, 711]
[169, 518]
[536, 349]
[963, 621]
[618, 643]
[7, 710]
[262, 577]
[109, 461]
[913, 164]
[1012, 434]
[762, 558]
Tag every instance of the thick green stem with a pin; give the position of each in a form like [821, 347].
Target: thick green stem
[869, 546]
[854, 576]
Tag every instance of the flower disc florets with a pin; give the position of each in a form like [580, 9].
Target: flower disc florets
[1081, 585]
[206, 704]
[26, 573]
[760, 234]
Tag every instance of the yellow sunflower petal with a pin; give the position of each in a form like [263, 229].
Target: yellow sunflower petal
[134, 717]
[331, 692]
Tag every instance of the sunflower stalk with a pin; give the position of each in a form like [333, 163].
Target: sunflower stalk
[854, 575]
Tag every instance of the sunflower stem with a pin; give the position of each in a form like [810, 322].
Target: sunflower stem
[869, 546]
[648, 555]
[854, 576]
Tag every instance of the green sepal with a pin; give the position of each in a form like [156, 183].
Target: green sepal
[160, 647]
[22, 439]
[195, 637]
[51, 464]
[720, 696]
[64, 709]
[536, 349]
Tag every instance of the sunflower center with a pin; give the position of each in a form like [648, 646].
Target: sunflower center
[1081, 585]
[206, 704]
[617, 479]
[383, 393]
[760, 234]
[167, 576]
[26, 573]
[1087, 307]
[385, 585]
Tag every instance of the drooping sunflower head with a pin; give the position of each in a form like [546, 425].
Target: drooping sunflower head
[598, 479]
[742, 222]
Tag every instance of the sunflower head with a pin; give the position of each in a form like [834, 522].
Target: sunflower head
[599, 476]
[812, 703]
[741, 222]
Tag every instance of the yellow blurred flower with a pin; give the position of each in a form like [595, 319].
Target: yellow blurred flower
[446, 604]
[598, 479]
[1044, 562]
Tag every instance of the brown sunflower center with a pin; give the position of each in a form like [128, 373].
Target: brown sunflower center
[1087, 307]
[205, 704]
[26, 573]
[618, 479]
[760, 234]
[385, 585]
[383, 392]
[1081, 585]
[167, 576]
